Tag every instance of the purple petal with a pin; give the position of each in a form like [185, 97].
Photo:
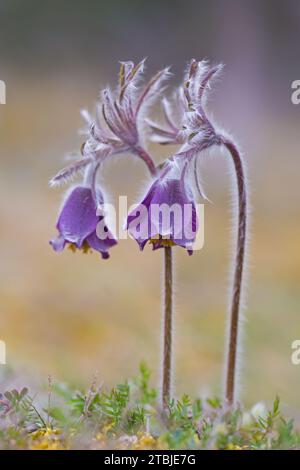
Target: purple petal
[180, 225]
[78, 217]
[145, 202]
[58, 244]
[101, 245]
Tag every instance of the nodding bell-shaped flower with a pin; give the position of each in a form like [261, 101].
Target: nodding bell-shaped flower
[186, 118]
[78, 222]
[167, 214]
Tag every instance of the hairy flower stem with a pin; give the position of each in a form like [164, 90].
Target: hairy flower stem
[167, 327]
[146, 158]
[231, 372]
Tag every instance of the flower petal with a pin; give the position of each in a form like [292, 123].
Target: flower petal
[78, 217]
[166, 214]
[58, 243]
[101, 245]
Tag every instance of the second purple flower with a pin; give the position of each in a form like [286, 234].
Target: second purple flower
[166, 216]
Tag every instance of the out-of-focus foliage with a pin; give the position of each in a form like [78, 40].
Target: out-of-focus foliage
[129, 417]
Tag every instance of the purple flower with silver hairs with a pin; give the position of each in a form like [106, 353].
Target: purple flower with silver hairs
[187, 122]
[166, 216]
[79, 224]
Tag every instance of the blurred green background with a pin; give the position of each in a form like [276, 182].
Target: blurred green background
[70, 315]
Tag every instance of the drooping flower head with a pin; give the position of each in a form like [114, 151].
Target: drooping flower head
[167, 214]
[186, 124]
[196, 132]
[78, 222]
[186, 118]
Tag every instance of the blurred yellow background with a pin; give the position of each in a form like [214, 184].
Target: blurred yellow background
[70, 315]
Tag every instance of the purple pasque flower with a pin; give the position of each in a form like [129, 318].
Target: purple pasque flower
[78, 221]
[186, 118]
[167, 214]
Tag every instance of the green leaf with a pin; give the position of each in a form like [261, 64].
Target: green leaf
[57, 414]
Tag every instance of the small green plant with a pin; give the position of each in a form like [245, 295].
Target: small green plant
[129, 416]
